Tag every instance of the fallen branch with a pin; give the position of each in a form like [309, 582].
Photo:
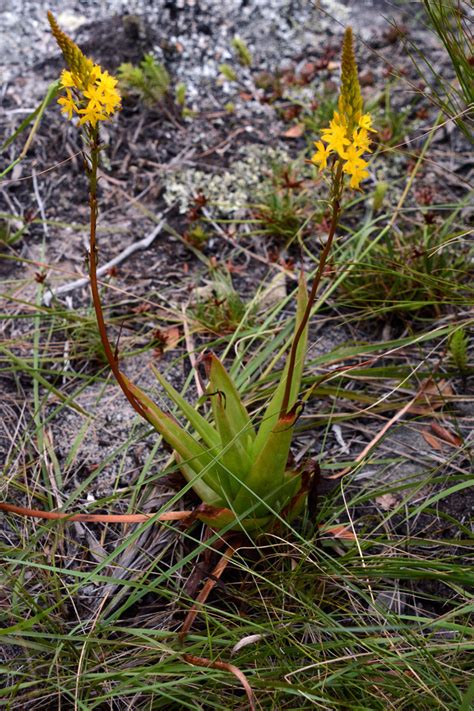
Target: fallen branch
[84, 281]
[204, 594]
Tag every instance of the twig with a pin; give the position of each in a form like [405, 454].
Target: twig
[95, 518]
[84, 281]
[204, 594]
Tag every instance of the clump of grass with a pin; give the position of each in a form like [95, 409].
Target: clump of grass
[286, 210]
[450, 21]
[221, 309]
[420, 271]
[85, 344]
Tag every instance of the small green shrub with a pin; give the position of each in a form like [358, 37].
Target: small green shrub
[419, 272]
[244, 56]
[220, 309]
[149, 80]
[458, 350]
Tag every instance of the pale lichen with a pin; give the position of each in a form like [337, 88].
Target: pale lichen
[231, 190]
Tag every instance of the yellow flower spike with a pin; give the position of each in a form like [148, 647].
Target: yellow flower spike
[96, 97]
[321, 155]
[348, 131]
[350, 100]
[75, 60]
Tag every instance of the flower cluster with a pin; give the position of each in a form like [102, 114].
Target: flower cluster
[90, 92]
[348, 144]
[93, 100]
[348, 132]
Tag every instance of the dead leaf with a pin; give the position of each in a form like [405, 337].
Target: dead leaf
[340, 532]
[446, 435]
[432, 397]
[245, 96]
[307, 72]
[295, 131]
[387, 502]
[171, 336]
[224, 666]
[432, 441]
[250, 639]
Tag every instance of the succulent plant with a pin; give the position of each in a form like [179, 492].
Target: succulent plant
[239, 472]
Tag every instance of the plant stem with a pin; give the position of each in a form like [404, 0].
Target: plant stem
[335, 210]
[109, 353]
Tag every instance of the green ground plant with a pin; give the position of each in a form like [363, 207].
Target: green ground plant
[416, 272]
[150, 82]
[459, 350]
[282, 215]
[221, 309]
[243, 53]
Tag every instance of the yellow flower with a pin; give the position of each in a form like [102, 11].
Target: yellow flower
[96, 97]
[357, 175]
[365, 122]
[360, 140]
[336, 138]
[321, 155]
[67, 79]
[338, 120]
[106, 82]
[355, 166]
[91, 115]
[68, 105]
[111, 101]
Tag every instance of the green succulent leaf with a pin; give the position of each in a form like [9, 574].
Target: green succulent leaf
[272, 412]
[205, 430]
[205, 492]
[218, 517]
[266, 480]
[235, 457]
[237, 416]
[201, 461]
